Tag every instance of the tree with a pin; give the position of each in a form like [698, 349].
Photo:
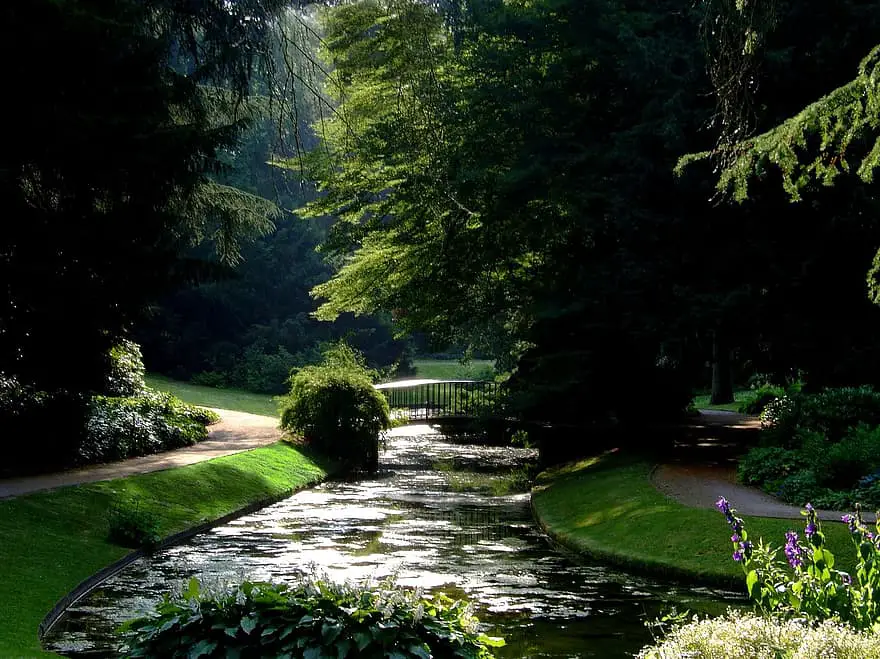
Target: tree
[105, 177]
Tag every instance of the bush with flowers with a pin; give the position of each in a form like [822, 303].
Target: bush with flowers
[313, 619]
[805, 583]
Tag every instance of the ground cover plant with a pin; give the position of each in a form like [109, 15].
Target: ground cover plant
[53, 540]
[823, 448]
[313, 619]
[740, 635]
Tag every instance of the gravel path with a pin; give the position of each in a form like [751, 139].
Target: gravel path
[699, 485]
[234, 433]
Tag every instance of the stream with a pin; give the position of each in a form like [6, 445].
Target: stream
[424, 521]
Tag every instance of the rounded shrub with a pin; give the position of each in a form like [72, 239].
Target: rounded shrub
[336, 409]
[314, 619]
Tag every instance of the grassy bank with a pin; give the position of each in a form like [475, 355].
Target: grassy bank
[607, 508]
[50, 541]
[451, 369]
[227, 399]
[702, 402]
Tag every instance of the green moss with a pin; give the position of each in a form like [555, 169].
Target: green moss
[606, 507]
[226, 399]
[51, 541]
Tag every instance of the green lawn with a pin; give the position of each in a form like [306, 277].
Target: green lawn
[451, 369]
[606, 507]
[702, 402]
[227, 399]
[51, 541]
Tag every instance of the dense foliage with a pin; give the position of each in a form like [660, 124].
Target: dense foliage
[314, 619]
[119, 428]
[805, 584]
[748, 636]
[336, 409]
[823, 448]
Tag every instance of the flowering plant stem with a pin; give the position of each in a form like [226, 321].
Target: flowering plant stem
[806, 584]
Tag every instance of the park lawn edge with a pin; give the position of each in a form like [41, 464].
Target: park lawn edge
[52, 541]
[606, 508]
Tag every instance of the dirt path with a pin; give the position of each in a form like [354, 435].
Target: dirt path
[236, 432]
[698, 483]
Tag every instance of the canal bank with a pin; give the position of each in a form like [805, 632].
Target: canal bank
[54, 540]
[431, 518]
[606, 508]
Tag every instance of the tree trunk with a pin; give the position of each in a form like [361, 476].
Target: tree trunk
[722, 380]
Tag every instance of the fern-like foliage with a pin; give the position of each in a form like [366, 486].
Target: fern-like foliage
[839, 133]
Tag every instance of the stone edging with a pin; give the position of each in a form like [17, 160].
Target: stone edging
[88, 585]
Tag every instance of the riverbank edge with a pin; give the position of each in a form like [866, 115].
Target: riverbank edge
[297, 483]
[583, 548]
[648, 568]
[85, 587]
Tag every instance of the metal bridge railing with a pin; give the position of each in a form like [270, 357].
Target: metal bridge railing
[435, 399]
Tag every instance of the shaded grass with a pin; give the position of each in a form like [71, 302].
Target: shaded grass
[702, 402]
[606, 507]
[227, 399]
[451, 369]
[51, 541]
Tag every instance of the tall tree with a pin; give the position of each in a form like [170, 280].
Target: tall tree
[105, 177]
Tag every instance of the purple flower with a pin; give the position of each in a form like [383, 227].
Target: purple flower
[722, 505]
[845, 579]
[850, 520]
[735, 538]
[809, 508]
[737, 555]
[810, 531]
[793, 551]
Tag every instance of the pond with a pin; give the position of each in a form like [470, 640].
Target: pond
[424, 521]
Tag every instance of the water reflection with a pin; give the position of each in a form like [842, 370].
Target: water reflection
[410, 523]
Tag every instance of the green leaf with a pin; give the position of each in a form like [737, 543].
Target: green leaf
[363, 639]
[419, 651]
[202, 648]
[751, 580]
[248, 624]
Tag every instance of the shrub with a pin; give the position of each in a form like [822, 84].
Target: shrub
[749, 636]
[840, 465]
[126, 373]
[806, 584]
[759, 398]
[119, 428]
[130, 526]
[310, 620]
[763, 464]
[336, 409]
[832, 412]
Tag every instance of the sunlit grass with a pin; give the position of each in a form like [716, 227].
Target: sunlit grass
[702, 402]
[227, 399]
[607, 507]
[51, 541]
[451, 369]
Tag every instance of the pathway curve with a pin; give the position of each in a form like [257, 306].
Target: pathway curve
[234, 433]
[699, 484]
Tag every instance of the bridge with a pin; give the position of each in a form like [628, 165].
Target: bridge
[441, 400]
